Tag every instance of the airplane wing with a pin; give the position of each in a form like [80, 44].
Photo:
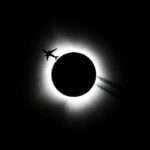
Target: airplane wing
[53, 50]
[47, 57]
[44, 50]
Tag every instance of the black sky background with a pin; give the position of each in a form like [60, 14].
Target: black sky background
[117, 28]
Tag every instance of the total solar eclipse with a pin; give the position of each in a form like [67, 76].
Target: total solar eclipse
[73, 74]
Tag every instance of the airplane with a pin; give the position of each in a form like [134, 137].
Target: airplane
[49, 53]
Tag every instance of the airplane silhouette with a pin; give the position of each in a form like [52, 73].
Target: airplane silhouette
[49, 53]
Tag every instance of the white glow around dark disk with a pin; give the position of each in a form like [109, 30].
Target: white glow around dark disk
[72, 104]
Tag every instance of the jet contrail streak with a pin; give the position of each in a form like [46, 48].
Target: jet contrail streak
[110, 83]
[111, 92]
[110, 87]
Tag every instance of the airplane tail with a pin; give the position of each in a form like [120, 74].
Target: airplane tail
[55, 57]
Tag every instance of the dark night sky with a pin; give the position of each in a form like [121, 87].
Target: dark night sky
[116, 28]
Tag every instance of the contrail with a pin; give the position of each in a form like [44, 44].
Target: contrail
[111, 87]
[110, 91]
[110, 83]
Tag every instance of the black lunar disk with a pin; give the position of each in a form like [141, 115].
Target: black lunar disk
[73, 74]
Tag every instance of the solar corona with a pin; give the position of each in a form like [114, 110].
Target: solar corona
[71, 78]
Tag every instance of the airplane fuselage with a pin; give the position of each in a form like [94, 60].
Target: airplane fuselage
[49, 53]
